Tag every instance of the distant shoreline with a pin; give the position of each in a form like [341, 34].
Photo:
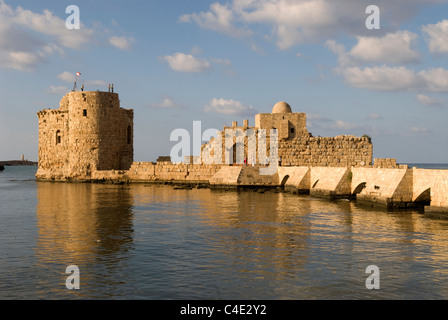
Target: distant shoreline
[18, 163]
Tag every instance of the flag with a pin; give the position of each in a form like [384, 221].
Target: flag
[78, 74]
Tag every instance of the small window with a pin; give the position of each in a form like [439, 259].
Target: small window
[58, 137]
[292, 130]
[84, 112]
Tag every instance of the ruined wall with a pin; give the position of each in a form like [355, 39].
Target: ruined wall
[302, 150]
[340, 151]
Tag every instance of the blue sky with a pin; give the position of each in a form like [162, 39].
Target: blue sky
[178, 61]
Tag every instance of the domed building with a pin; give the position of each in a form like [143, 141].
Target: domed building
[289, 125]
[282, 107]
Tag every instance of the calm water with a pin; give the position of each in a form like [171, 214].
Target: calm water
[154, 242]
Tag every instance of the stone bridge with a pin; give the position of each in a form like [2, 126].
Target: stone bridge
[390, 187]
[394, 188]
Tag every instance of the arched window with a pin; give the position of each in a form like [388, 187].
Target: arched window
[58, 137]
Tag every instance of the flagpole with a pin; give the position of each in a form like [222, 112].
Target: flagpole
[76, 79]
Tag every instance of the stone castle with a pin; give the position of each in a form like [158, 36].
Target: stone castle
[89, 132]
[90, 138]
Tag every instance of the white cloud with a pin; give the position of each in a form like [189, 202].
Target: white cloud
[385, 78]
[27, 38]
[67, 76]
[48, 24]
[186, 63]
[20, 60]
[438, 37]
[229, 107]
[220, 18]
[393, 48]
[430, 102]
[436, 79]
[59, 90]
[382, 78]
[293, 22]
[167, 103]
[122, 43]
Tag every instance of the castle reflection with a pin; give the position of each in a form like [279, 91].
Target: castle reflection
[87, 225]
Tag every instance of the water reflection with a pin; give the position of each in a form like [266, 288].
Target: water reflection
[155, 242]
[86, 225]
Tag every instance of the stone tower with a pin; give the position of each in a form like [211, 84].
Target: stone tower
[89, 132]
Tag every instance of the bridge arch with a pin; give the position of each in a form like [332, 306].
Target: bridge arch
[359, 188]
[424, 198]
[285, 178]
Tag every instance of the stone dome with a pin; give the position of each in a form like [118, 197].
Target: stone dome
[282, 107]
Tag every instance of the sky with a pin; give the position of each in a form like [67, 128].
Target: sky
[353, 71]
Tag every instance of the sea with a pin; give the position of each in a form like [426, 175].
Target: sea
[77, 241]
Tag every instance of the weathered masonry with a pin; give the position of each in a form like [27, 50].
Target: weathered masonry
[296, 146]
[90, 138]
[88, 133]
